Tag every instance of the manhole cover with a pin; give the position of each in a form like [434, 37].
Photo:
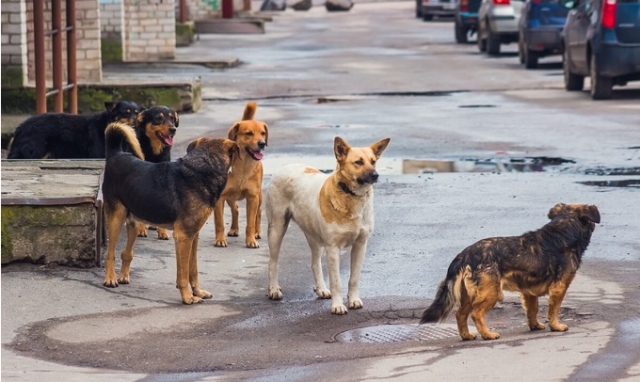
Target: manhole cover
[397, 333]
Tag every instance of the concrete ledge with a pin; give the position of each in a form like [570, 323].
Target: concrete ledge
[180, 96]
[52, 212]
[231, 26]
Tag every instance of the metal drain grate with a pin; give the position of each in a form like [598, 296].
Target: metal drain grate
[397, 333]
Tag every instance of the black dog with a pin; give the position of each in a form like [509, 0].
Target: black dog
[69, 136]
[155, 128]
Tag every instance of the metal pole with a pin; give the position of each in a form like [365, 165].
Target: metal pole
[38, 45]
[56, 24]
[72, 74]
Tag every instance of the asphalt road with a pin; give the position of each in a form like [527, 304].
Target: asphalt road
[372, 72]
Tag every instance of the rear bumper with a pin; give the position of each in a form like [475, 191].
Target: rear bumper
[468, 19]
[439, 9]
[619, 61]
[544, 39]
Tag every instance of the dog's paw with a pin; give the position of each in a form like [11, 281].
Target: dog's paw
[558, 327]
[220, 243]
[468, 336]
[490, 336]
[275, 293]
[536, 326]
[124, 279]
[163, 234]
[233, 232]
[258, 236]
[190, 300]
[142, 231]
[355, 304]
[110, 282]
[339, 309]
[202, 293]
[252, 244]
[322, 292]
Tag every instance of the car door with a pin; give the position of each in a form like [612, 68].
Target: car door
[576, 30]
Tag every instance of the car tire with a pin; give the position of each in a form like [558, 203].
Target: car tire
[572, 82]
[418, 9]
[530, 59]
[601, 87]
[521, 50]
[482, 43]
[493, 43]
[461, 33]
[426, 17]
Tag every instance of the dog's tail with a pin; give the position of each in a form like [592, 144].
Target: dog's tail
[249, 111]
[121, 137]
[448, 294]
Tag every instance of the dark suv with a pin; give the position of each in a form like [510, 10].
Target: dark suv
[466, 19]
[601, 40]
[539, 29]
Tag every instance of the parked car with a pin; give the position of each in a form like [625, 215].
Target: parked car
[427, 9]
[498, 24]
[466, 19]
[540, 26]
[601, 40]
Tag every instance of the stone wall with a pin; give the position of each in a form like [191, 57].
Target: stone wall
[149, 30]
[14, 47]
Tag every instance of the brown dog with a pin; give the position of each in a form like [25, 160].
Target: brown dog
[245, 179]
[535, 264]
[176, 195]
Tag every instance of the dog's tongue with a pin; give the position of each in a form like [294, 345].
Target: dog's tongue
[167, 140]
[257, 155]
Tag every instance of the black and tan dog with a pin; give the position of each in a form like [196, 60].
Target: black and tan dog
[245, 179]
[177, 195]
[69, 136]
[155, 129]
[537, 263]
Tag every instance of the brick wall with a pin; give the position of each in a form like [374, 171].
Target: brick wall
[149, 30]
[111, 21]
[88, 61]
[14, 47]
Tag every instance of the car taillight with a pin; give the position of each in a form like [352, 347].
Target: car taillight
[609, 13]
[464, 5]
[502, 2]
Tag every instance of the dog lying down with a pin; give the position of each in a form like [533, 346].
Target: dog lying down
[334, 212]
[537, 263]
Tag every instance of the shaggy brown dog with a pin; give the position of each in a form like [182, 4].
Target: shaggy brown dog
[245, 179]
[176, 195]
[535, 264]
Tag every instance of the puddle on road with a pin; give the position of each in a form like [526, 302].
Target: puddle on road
[634, 183]
[397, 166]
[613, 171]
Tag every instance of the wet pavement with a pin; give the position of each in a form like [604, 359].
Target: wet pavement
[372, 72]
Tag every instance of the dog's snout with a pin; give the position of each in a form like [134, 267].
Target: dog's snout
[373, 176]
[172, 130]
[262, 144]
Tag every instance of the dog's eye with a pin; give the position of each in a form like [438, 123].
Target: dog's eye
[250, 134]
[128, 111]
[359, 162]
[373, 161]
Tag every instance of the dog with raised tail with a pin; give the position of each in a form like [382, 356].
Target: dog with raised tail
[334, 212]
[535, 264]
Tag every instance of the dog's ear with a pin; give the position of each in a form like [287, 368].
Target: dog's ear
[231, 147]
[266, 136]
[590, 213]
[233, 131]
[140, 117]
[340, 148]
[379, 147]
[556, 210]
[109, 106]
[194, 144]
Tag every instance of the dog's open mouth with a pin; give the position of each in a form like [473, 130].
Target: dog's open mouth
[256, 155]
[166, 139]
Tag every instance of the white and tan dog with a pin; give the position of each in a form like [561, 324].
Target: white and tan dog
[334, 212]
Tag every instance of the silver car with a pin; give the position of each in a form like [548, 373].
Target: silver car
[426, 9]
[498, 24]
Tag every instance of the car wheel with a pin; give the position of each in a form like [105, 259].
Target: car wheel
[601, 87]
[461, 33]
[572, 82]
[482, 43]
[418, 9]
[530, 59]
[521, 50]
[427, 17]
[493, 43]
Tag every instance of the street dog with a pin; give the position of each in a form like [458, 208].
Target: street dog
[155, 128]
[245, 179]
[334, 212]
[68, 136]
[537, 263]
[177, 195]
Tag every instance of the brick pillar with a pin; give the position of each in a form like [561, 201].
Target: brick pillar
[14, 43]
[88, 61]
[149, 30]
[111, 36]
